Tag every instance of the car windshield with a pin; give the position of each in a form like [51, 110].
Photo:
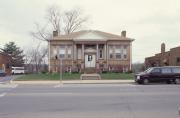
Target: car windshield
[148, 70]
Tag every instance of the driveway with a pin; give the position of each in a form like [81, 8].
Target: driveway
[7, 79]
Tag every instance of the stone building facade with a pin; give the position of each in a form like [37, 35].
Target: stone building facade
[165, 58]
[90, 51]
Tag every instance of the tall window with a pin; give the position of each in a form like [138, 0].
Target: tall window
[124, 52]
[79, 53]
[118, 52]
[178, 60]
[110, 52]
[100, 53]
[62, 51]
[69, 51]
[54, 52]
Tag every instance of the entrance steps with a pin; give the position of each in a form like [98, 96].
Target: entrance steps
[90, 70]
[90, 76]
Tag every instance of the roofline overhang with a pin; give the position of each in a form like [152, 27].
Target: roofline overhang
[70, 39]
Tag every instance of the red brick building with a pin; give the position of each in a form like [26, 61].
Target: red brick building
[5, 62]
[90, 50]
[165, 58]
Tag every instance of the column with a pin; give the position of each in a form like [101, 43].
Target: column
[97, 51]
[105, 52]
[75, 52]
[82, 56]
[107, 55]
[130, 54]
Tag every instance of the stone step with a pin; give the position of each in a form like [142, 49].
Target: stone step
[90, 77]
[90, 70]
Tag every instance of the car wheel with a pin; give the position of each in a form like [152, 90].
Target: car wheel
[168, 82]
[177, 81]
[145, 81]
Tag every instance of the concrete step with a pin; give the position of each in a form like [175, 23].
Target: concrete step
[89, 70]
[90, 77]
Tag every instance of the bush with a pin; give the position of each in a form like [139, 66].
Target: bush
[130, 71]
[44, 72]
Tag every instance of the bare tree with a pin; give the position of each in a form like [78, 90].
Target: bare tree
[35, 58]
[53, 23]
[54, 17]
[73, 20]
[68, 21]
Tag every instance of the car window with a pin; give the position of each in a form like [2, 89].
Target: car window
[156, 70]
[148, 70]
[166, 70]
[176, 70]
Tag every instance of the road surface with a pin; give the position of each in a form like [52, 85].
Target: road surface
[89, 101]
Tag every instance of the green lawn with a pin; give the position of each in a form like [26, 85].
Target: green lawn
[74, 76]
[117, 76]
[55, 76]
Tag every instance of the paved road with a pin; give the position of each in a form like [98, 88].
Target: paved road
[89, 101]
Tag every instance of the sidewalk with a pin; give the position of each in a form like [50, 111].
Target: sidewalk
[76, 82]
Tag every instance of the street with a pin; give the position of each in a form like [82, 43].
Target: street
[89, 101]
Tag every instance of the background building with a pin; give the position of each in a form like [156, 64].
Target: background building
[90, 51]
[5, 61]
[165, 58]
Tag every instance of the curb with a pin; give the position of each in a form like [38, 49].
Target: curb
[75, 82]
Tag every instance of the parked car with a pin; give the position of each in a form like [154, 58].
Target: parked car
[166, 74]
[18, 70]
[2, 73]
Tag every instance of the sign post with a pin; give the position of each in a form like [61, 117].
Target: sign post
[61, 72]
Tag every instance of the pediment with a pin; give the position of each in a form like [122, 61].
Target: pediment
[90, 36]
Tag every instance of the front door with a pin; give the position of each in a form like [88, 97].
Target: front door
[90, 60]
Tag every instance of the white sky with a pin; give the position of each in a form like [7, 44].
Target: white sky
[149, 22]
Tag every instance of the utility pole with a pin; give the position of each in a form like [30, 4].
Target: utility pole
[60, 71]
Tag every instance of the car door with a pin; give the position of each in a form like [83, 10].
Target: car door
[155, 75]
[167, 74]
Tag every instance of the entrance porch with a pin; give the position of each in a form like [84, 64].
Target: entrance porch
[90, 56]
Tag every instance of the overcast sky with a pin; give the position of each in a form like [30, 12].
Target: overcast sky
[149, 22]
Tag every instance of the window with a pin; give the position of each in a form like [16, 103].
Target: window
[178, 59]
[62, 52]
[125, 56]
[79, 53]
[156, 70]
[53, 52]
[89, 57]
[125, 52]
[69, 51]
[118, 53]
[166, 70]
[100, 53]
[111, 52]
[176, 70]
